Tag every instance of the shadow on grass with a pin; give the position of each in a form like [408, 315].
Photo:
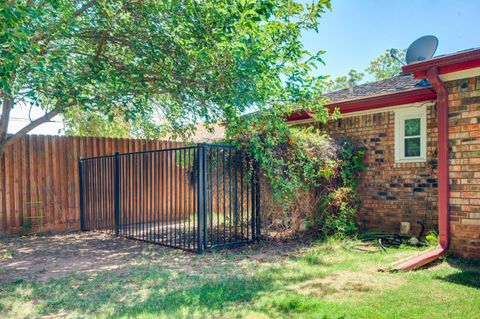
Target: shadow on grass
[205, 298]
[468, 276]
[465, 278]
[145, 290]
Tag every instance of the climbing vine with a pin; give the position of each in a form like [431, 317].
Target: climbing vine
[338, 209]
[298, 160]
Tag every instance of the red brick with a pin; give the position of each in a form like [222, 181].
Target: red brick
[397, 181]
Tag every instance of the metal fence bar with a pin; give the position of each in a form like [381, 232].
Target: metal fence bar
[117, 193]
[162, 198]
[224, 191]
[194, 198]
[235, 196]
[82, 199]
[257, 200]
[194, 179]
[201, 196]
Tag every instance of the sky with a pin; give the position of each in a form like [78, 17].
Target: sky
[355, 32]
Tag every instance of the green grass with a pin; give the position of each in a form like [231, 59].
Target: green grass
[331, 280]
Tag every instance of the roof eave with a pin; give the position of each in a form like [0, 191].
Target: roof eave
[373, 102]
[384, 100]
[446, 64]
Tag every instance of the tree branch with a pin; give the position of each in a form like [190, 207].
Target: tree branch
[101, 43]
[43, 119]
[4, 143]
[84, 8]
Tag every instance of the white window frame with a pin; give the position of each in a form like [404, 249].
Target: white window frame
[401, 115]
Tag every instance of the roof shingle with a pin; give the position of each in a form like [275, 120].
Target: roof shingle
[391, 85]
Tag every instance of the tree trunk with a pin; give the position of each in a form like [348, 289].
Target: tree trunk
[4, 120]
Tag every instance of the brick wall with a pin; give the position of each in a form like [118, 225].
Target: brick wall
[392, 192]
[464, 140]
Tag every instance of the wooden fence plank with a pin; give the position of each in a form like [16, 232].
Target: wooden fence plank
[8, 187]
[74, 179]
[56, 178]
[70, 180]
[63, 175]
[49, 211]
[17, 185]
[3, 211]
[45, 192]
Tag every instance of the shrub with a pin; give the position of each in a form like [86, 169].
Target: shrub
[339, 207]
[299, 162]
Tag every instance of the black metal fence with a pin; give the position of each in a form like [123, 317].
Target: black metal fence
[194, 198]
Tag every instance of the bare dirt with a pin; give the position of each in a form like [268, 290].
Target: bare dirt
[44, 257]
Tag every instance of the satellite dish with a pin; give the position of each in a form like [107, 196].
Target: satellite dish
[422, 49]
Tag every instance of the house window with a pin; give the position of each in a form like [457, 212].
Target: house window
[410, 135]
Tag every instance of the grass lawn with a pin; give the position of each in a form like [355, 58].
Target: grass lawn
[329, 280]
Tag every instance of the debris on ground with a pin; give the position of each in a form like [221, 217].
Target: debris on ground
[387, 240]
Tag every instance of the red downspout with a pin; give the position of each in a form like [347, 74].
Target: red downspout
[443, 183]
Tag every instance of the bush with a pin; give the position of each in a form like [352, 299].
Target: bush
[300, 164]
[339, 207]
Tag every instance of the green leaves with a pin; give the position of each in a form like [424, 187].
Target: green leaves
[381, 68]
[294, 160]
[385, 66]
[170, 64]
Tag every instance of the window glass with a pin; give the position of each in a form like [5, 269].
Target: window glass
[412, 127]
[412, 147]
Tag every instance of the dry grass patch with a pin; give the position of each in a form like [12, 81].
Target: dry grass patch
[347, 285]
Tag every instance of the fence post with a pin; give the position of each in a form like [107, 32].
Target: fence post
[82, 207]
[257, 201]
[201, 197]
[116, 195]
[252, 197]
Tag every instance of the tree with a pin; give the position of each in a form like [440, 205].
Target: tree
[79, 122]
[342, 82]
[186, 60]
[385, 66]
[354, 77]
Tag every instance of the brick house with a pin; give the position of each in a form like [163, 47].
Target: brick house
[422, 134]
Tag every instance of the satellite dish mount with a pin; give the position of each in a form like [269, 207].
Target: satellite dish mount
[394, 55]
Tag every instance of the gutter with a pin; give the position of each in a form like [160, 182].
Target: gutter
[433, 77]
[446, 64]
[375, 102]
[384, 100]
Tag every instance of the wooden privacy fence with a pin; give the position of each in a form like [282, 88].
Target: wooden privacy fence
[39, 182]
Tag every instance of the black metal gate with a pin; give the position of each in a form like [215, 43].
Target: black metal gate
[195, 197]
